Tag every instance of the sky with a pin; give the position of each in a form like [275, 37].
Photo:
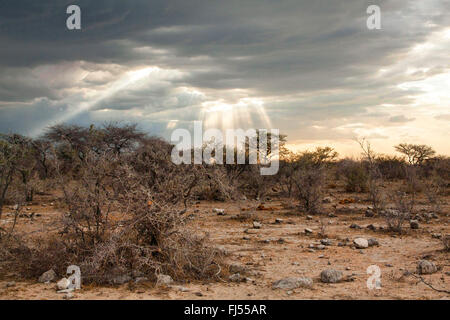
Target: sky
[311, 69]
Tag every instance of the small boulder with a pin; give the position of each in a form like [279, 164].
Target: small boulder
[372, 242]
[426, 267]
[119, 280]
[47, 276]
[331, 276]
[361, 243]
[63, 284]
[414, 224]
[235, 277]
[308, 231]
[257, 225]
[292, 283]
[327, 200]
[354, 226]
[220, 212]
[164, 279]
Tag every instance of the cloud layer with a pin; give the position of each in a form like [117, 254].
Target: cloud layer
[309, 68]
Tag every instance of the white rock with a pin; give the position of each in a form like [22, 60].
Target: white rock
[63, 284]
[220, 212]
[47, 276]
[164, 279]
[257, 225]
[361, 243]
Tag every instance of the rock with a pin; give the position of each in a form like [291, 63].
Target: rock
[309, 217]
[9, 284]
[257, 225]
[235, 277]
[372, 242]
[164, 279]
[369, 213]
[327, 200]
[354, 226]
[278, 221]
[326, 242]
[292, 283]
[63, 284]
[308, 231]
[361, 243]
[371, 227]
[68, 296]
[436, 235]
[220, 212]
[140, 279]
[331, 276]
[414, 224]
[47, 276]
[122, 279]
[320, 247]
[426, 267]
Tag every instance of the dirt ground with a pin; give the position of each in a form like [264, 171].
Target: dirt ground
[281, 249]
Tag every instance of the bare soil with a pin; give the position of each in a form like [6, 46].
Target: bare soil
[278, 250]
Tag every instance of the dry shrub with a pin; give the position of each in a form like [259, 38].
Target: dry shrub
[118, 222]
[395, 219]
[355, 175]
[309, 188]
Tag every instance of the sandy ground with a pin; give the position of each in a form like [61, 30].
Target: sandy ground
[279, 250]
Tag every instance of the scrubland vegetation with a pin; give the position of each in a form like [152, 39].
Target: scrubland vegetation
[124, 205]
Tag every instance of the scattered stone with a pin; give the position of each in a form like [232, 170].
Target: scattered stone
[220, 212]
[388, 265]
[257, 225]
[235, 277]
[140, 279]
[414, 224]
[320, 247]
[347, 268]
[373, 242]
[308, 231]
[311, 250]
[426, 267]
[10, 284]
[47, 276]
[361, 243]
[309, 217]
[436, 235]
[122, 279]
[372, 227]
[278, 221]
[341, 244]
[331, 276]
[281, 241]
[246, 238]
[292, 283]
[354, 226]
[164, 279]
[326, 242]
[369, 213]
[327, 200]
[68, 296]
[199, 294]
[63, 284]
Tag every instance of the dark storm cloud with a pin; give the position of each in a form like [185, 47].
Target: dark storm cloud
[310, 61]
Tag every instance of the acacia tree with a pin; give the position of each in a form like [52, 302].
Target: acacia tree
[416, 153]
